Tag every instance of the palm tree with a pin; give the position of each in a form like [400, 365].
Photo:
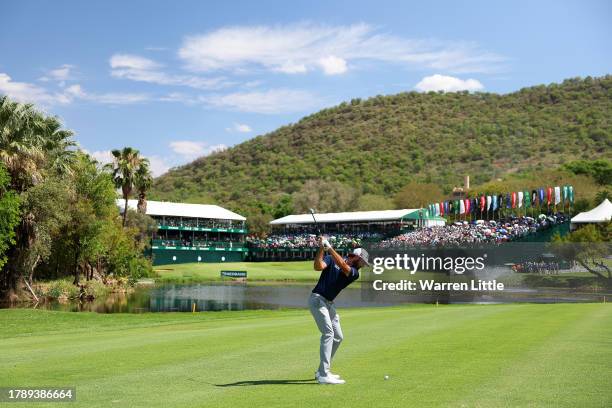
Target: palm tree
[20, 150]
[125, 169]
[32, 144]
[143, 183]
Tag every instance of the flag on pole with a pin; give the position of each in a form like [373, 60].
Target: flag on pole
[534, 197]
[441, 208]
[541, 198]
[571, 194]
[467, 206]
[461, 207]
[557, 195]
[549, 193]
[494, 204]
[527, 199]
[565, 195]
[513, 199]
[488, 203]
[520, 199]
[508, 200]
[482, 203]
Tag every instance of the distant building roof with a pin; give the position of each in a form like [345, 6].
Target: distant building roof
[601, 213]
[354, 216]
[159, 208]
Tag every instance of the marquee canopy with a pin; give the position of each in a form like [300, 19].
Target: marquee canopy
[601, 213]
[354, 216]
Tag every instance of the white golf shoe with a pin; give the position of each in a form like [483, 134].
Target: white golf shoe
[329, 379]
[330, 374]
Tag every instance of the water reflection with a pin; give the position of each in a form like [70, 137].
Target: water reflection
[243, 296]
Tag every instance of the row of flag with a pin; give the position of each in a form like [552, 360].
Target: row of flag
[549, 196]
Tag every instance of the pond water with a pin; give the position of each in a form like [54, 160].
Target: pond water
[244, 296]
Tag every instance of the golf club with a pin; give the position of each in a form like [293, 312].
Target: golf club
[312, 212]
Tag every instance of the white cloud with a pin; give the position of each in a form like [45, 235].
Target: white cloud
[333, 65]
[448, 84]
[155, 48]
[102, 156]
[60, 74]
[290, 67]
[132, 62]
[158, 165]
[298, 48]
[239, 127]
[243, 128]
[191, 150]
[27, 92]
[142, 69]
[111, 98]
[271, 101]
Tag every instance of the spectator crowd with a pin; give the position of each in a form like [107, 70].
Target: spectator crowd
[302, 240]
[480, 231]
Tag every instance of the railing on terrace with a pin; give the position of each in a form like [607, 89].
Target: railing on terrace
[199, 223]
[180, 243]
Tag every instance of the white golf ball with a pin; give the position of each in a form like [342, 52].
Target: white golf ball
[386, 377]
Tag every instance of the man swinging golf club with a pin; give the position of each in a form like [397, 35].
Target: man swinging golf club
[336, 274]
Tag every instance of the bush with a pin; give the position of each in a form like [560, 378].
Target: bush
[96, 289]
[61, 288]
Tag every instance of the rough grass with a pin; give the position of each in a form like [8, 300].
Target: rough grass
[556, 355]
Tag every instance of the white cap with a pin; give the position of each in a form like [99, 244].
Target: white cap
[363, 254]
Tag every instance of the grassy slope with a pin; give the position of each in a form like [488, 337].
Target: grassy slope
[503, 355]
[391, 140]
[256, 271]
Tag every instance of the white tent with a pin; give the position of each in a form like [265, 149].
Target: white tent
[354, 216]
[601, 213]
[169, 209]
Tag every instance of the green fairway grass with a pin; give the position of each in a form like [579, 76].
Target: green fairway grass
[555, 355]
[299, 271]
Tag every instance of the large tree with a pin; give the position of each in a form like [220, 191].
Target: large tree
[33, 146]
[128, 168]
[590, 246]
[9, 215]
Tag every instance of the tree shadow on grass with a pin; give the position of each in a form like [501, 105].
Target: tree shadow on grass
[309, 381]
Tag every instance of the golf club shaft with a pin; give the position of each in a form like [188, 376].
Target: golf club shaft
[315, 221]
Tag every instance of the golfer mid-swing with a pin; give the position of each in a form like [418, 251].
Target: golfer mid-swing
[337, 273]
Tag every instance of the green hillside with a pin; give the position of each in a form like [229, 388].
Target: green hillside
[378, 145]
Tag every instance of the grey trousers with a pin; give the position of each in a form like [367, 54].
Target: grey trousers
[328, 322]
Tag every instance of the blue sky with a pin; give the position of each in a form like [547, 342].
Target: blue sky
[178, 80]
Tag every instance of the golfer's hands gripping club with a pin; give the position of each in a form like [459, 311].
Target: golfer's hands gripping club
[324, 243]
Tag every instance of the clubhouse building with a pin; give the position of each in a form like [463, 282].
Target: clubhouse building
[194, 232]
